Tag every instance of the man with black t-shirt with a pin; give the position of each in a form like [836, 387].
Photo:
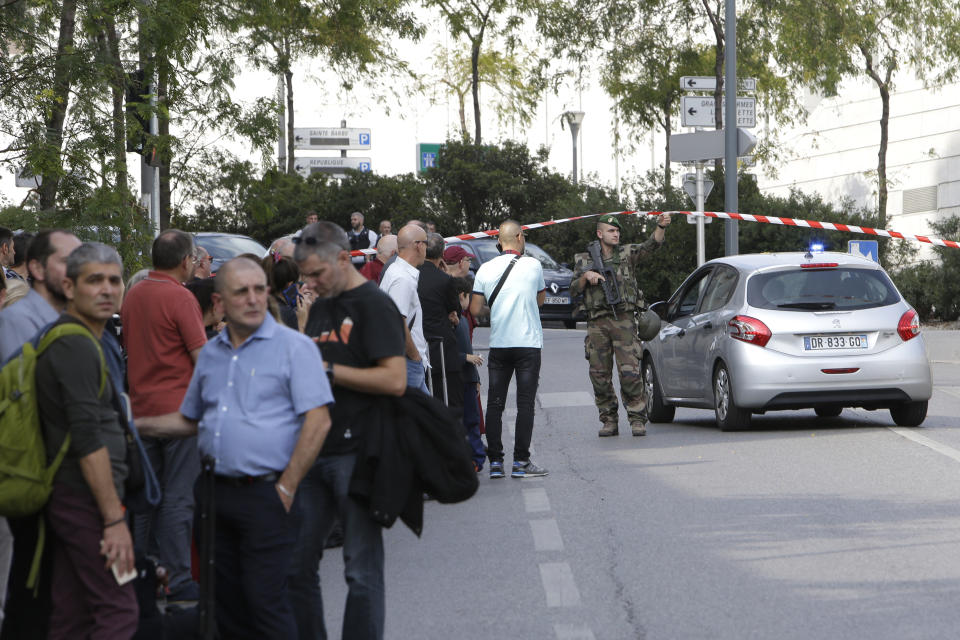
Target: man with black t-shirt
[360, 333]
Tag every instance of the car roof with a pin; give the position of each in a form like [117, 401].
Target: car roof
[757, 261]
[207, 234]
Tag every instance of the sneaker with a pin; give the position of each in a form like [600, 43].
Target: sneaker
[639, 429]
[184, 596]
[477, 466]
[496, 470]
[527, 470]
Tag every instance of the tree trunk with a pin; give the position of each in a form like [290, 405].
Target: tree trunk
[117, 87]
[61, 96]
[475, 82]
[291, 161]
[166, 189]
[461, 96]
[882, 157]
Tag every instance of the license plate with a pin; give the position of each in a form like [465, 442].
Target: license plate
[557, 300]
[826, 343]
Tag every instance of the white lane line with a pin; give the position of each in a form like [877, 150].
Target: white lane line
[546, 535]
[566, 399]
[536, 500]
[558, 584]
[930, 443]
[573, 632]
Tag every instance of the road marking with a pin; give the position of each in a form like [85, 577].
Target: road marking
[930, 443]
[546, 535]
[573, 632]
[558, 584]
[536, 500]
[566, 399]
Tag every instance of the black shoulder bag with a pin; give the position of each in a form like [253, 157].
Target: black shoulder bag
[503, 278]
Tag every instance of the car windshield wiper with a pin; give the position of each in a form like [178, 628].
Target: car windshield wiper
[820, 306]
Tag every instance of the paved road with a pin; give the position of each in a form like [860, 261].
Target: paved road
[801, 528]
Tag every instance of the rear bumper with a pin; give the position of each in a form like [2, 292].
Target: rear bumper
[765, 379]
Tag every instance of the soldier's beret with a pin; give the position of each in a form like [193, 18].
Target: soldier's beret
[612, 220]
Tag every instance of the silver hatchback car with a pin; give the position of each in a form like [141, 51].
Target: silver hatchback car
[754, 333]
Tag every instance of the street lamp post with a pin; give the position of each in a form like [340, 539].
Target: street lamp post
[574, 119]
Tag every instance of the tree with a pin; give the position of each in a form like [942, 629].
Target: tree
[825, 42]
[475, 20]
[351, 36]
[509, 74]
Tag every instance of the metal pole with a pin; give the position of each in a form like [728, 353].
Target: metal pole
[701, 236]
[731, 242]
[574, 129]
[155, 185]
[343, 125]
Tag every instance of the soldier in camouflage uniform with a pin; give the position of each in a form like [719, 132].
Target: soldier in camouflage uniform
[612, 329]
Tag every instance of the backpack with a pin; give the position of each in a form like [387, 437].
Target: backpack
[26, 479]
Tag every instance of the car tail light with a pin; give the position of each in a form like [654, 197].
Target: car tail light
[747, 329]
[846, 370]
[909, 325]
[820, 265]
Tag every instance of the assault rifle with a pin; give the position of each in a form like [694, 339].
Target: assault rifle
[609, 283]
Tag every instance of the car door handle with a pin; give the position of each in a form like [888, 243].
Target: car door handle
[708, 325]
[681, 333]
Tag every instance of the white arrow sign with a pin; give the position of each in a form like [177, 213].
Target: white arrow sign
[336, 167]
[699, 111]
[709, 83]
[336, 139]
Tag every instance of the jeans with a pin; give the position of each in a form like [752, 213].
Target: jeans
[417, 375]
[323, 496]
[166, 532]
[471, 422]
[502, 364]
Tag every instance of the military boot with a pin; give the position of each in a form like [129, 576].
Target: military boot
[609, 429]
[639, 429]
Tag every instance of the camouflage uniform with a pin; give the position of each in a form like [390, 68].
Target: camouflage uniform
[613, 333]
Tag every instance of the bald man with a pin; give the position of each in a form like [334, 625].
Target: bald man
[516, 339]
[386, 249]
[400, 283]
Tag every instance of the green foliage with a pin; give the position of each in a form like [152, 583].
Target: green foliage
[932, 286]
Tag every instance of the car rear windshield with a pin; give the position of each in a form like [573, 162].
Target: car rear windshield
[799, 289]
[226, 247]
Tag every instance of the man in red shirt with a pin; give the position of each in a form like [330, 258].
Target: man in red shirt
[386, 249]
[163, 333]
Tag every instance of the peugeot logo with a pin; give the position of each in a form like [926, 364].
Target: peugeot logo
[554, 288]
[836, 323]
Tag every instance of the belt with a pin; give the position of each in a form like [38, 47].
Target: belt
[243, 481]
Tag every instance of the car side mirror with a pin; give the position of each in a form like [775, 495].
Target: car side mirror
[565, 265]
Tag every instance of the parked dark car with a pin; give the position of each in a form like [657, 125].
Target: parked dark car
[558, 304]
[224, 246]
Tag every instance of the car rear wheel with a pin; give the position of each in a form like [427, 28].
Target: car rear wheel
[657, 409]
[909, 414]
[570, 324]
[828, 412]
[730, 417]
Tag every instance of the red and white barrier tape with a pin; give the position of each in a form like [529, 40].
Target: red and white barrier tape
[790, 222]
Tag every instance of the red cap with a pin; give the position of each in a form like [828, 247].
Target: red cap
[454, 254]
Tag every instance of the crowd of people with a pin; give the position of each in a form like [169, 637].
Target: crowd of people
[272, 372]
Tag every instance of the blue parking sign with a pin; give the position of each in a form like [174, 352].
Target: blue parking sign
[865, 248]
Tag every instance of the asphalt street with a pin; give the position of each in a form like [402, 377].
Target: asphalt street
[802, 527]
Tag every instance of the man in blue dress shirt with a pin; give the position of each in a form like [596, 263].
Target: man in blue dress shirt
[258, 402]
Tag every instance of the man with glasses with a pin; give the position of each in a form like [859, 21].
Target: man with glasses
[400, 283]
[513, 286]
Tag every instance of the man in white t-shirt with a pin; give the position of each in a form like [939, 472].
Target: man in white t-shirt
[400, 283]
[516, 340]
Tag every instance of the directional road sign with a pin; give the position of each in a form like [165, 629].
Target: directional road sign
[709, 83]
[333, 166]
[427, 155]
[707, 145]
[336, 139]
[698, 111]
[866, 248]
[27, 180]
